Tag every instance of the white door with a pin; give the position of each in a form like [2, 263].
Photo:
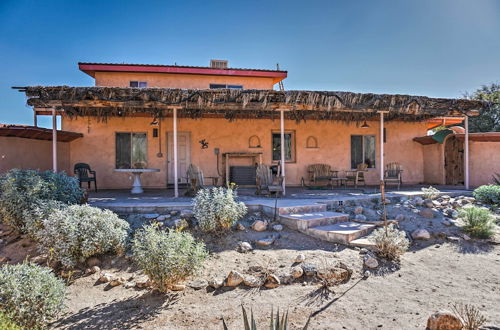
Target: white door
[183, 155]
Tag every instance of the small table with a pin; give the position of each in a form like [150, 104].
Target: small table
[136, 185]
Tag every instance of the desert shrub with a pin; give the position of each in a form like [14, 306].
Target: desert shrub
[216, 209]
[391, 245]
[23, 192]
[478, 221]
[470, 316]
[488, 194]
[277, 322]
[7, 324]
[430, 193]
[167, 257]
[30, 295]
[77, 232]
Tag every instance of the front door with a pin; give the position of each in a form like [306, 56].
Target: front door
[454, 161]
[183, 155]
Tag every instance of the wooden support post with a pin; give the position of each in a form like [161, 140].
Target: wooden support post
[54, 140]
[466, 152]
[176, 183]
[282, 147]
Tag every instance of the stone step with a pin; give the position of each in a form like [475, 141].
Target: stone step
[303, 221]
[362, 242]
[291, 208]
[343, 232]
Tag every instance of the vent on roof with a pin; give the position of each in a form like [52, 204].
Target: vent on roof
[218, 64]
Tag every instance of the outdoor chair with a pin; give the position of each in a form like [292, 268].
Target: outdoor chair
[85, 174]
[320, 173]
[267, 183]
[392, 174]
[357, 176]
[195, 179]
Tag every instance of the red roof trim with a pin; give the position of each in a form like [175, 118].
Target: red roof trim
[91, 68]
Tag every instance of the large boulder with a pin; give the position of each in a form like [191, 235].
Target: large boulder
[427, 213]
[334, 274]
[234, 278]
[259, 225]
[421, 234]
[444, 321]
[272, 281]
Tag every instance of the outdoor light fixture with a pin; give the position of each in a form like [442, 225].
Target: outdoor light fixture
[365, 125]
[154, 122]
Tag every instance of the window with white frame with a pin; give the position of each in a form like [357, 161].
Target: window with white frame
[139, 84]
[362, 150]
[131, 150]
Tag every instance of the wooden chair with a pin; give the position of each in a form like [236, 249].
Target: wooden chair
[392, 174]
[85, 174]
[357, 176]
[195, 179]
[266, 182]
[320, 172]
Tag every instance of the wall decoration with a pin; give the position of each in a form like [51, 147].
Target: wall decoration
[254, 142]
[311, 142]
[204, 144]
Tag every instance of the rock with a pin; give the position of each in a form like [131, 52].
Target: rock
[466, 237]
[187, 213]
[363, 251]
[93, 261]
[454, 214]
[4, 260]
[444, 321]
[129, 285]
[105, 277]
[453, 238]
[418, 201]
[427, 213]
[358, 210]
[272, 281]
[278, 227]
[174, 213]
[41, 259]
[334, 273]
[441, 235]
[244, 247]
[309, 269]
[446, 197]
[300, 258]
[259, 225]
[366, 274]
[240, 227]
[143, 283]
[163, 217]
[177, 287]
[428, 203]
[264, 241]
[297, 272]
[387, 201]
[215, 283]
[252, 281]
[421, 234]
[371, 262]
[198, 284]
[117, 281]
[400, 217]
[93, 270]
[360, 217]
[151, 216]
[233, 279]
[446, 223]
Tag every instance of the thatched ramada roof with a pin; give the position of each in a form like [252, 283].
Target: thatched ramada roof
[104, 102]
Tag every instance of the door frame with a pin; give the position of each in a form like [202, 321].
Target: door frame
[169, 158]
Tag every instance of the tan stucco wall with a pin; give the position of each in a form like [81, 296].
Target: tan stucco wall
[166, 80]
[484, 161]
[31, 154]
[97, 147]
[433, 155]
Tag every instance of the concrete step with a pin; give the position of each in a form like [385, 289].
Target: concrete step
[343, 232]
[293, 208]
[362, 242]
[303, 221]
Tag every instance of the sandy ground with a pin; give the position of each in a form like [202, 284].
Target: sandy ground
[431, 276]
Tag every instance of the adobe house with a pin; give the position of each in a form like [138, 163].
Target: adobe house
[165, 117]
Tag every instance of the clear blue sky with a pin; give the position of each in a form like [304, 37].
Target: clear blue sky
[438, 48]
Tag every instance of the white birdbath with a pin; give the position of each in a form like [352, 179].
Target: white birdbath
[136, 185]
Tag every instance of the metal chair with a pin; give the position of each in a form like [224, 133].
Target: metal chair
[85, 174]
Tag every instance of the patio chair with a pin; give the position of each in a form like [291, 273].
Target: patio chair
[195, 179]
[266, 182]
[320, 172]
[85, 174]
[357, 176]
[392, 174]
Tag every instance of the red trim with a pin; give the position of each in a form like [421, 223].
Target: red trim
[90, 68]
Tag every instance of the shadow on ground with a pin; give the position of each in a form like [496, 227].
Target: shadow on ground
[119, 314]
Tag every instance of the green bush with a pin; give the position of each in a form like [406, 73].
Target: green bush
[30, 295]
[488, 194]
[390, 246]
[167, 257]
[7, 324]
[216, 209]
[23, 192]
[73, 234]
[478, 221]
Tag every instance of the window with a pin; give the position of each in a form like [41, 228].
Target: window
[289, 146]
[216, 86]
[362, 150]
[139, 84]
[131, 150]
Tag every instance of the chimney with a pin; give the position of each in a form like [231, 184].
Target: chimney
[218, 64]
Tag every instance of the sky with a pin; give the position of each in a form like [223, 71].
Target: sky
[438, 48]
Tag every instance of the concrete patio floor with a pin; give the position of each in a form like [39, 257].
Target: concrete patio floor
[157, 199]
